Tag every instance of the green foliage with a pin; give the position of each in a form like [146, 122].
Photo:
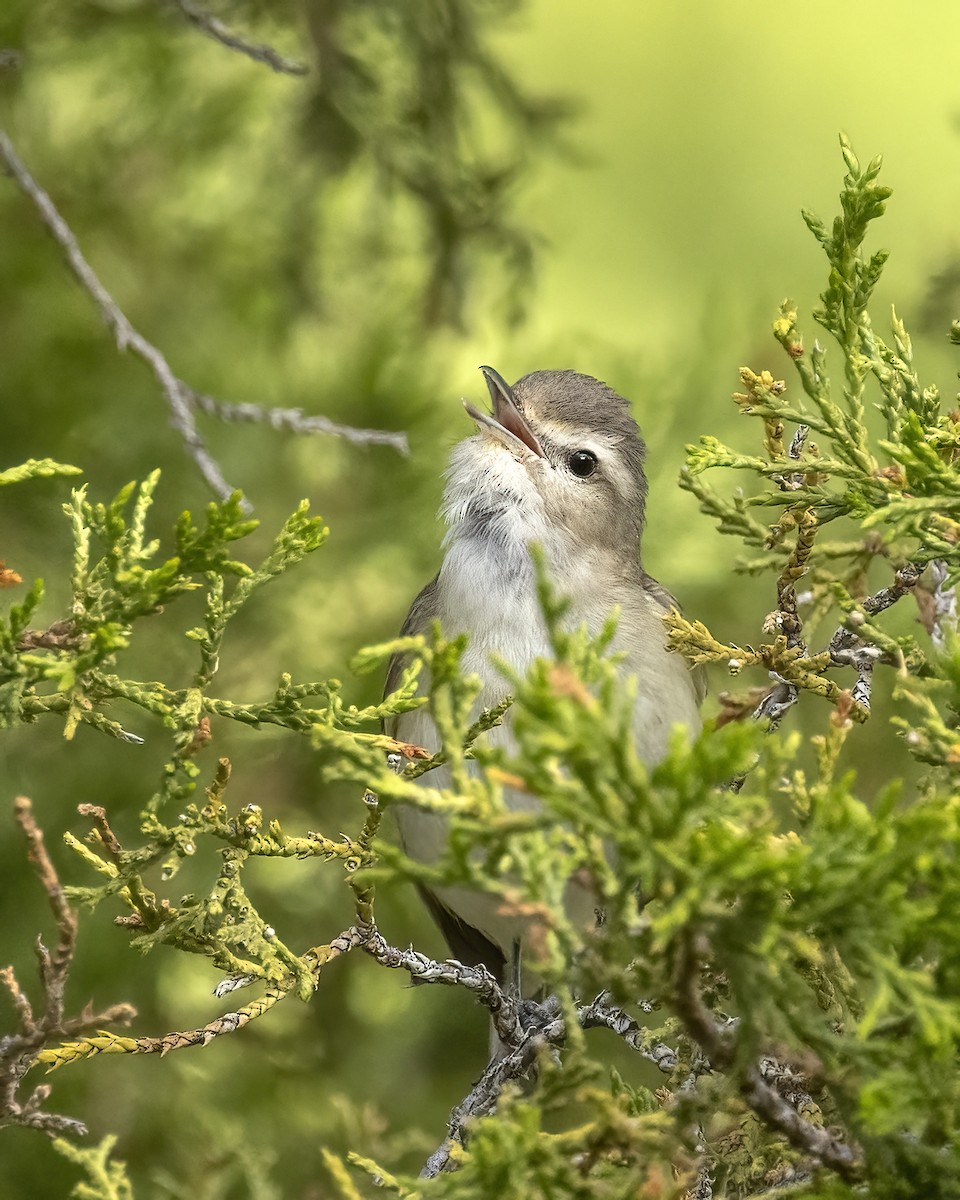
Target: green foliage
[791, 941]
[36, 469]
[105, 1180]
[68, 670]
[897, 491]
[119, 577]
[823, 924]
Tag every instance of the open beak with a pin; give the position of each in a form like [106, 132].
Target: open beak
[507, 424]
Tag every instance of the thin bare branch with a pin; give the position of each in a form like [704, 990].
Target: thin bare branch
[944, 604]
[21, 1006]
[54, 967]
[295, 420]
[703, 1188]
[503, 1007]
[600, 1014]
[543, 1026]
[182, 400]
[106, 1042]
[124, 333]
[846, 649]
[108, 839]
[20, 1050]
[537, 1026]
[482, 1098]
[258, 51]
[476, 979]
[904, 581]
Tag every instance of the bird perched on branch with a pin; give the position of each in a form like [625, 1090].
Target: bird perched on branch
[559, 463]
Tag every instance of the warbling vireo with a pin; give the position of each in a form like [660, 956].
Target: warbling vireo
[560, 464]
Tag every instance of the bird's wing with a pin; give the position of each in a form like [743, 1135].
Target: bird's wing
[667, 600]
[467, 944]
[418, 620]
[653, 587]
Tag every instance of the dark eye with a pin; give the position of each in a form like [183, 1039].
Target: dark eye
[582, 463]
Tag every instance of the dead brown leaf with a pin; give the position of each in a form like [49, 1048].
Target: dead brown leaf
[8, 576]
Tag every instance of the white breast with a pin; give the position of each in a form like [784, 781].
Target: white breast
[491, 595]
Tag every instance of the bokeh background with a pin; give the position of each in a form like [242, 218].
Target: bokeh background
[613, 188]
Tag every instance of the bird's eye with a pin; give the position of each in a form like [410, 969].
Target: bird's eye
[582, 463]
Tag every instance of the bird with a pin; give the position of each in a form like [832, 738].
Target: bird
[558, 463]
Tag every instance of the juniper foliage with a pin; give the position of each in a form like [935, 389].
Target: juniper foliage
[779, 949]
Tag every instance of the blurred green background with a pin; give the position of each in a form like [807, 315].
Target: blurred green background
[288, 241]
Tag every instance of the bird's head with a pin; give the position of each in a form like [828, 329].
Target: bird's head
[559, 461]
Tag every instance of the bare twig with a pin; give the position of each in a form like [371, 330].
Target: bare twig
[181, 399]
[21, 1005]
[794, 481]
[543, 1026]
[772, 708]
[61, 635]
[482, 1098]
[54, 967]
[366, 937]
[124, 333]
[791, 1084]
[19, 1051]
[814, 1140]
[845, 640]
[259, 52]
[776, 703]
[703, 1187]
[523, 1027]
[715, 1039]
[601, 1014]
[108, 1043]
[783, 695]
[502, 1006]
[846, 648]
[108, 839]
[944, 604]
[904, 581]
[295, 420]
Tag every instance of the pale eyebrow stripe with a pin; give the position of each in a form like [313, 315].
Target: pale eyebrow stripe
[562, 438]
